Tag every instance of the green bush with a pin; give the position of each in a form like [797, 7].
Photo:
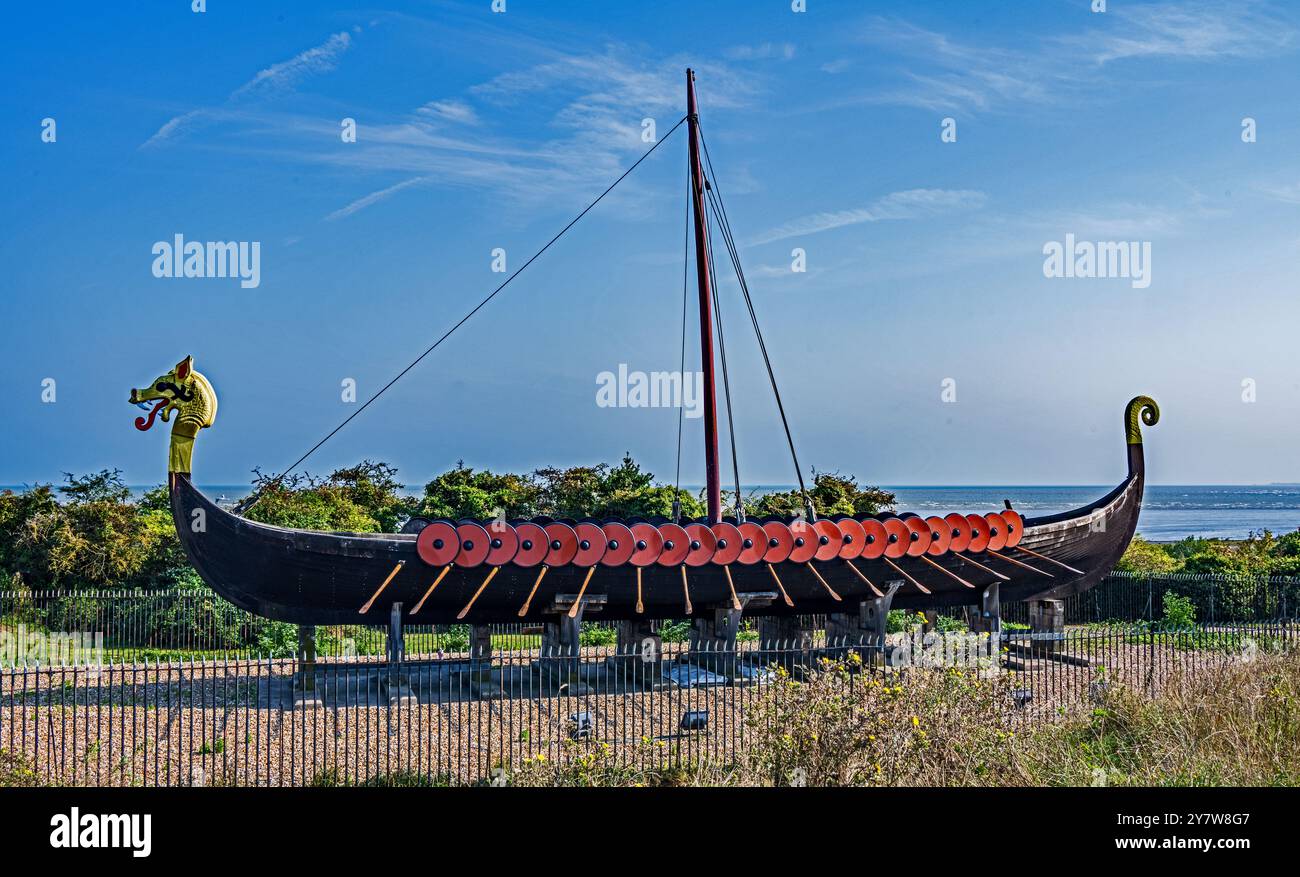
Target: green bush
[277, 639]
[595, 634]
[1179, 613]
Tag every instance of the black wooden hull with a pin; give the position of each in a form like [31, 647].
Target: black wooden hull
[308, 577]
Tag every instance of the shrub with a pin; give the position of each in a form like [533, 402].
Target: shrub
[15, 770]
[846, 728]
[1179, 613]
[1147, 558]
[277, 639]
[595, 634]
[831, 494]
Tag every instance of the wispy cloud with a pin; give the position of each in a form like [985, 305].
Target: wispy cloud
[319, 59]
[599, 127]
[1288, 192]
[760, 52]
[375, 197]
[277, 77]
[451, 110]
[908, 204]
[1196, 31]
[943, 74]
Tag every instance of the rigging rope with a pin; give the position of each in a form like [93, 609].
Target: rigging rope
[719, 209]
[252, 500]
[726, 379]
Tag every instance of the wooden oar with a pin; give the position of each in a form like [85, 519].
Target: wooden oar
[640, 607]
[470, 604]
[1065, 566]
[898, 569]
[366, 608]
[523, 610]
[418, 606]
[825, 584]
[577, 604]
[870, 584]
[735, 601]
[686, 589]
[947, 572]
[780, 587]
[1018, 563]
[978, 565]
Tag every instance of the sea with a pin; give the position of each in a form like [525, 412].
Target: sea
[1169, 511]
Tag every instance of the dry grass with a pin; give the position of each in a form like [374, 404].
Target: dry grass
[1236, 724]
[1230, 722]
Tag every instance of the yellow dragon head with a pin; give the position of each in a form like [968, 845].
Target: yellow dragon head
[186, 393]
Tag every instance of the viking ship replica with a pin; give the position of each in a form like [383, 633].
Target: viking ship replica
[492, 571]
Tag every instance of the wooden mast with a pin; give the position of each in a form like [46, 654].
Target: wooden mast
[714, 489]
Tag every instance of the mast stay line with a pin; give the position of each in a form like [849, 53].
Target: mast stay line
[257, 495]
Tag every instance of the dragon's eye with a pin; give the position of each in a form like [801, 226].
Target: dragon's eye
[160, 386]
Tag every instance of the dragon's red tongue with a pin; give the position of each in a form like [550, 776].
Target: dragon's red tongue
[142, 424]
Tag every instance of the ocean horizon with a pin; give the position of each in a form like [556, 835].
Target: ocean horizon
[1169, 511]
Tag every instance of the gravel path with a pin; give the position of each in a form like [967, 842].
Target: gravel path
[239, 723]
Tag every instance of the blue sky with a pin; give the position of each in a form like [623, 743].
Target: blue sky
[478, 131]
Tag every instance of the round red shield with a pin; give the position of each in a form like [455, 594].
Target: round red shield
[591, 544]
[780, 542]
[729, 543]
[898, 539]
[649, 544]
[997, 531]
[805, 541]
[960, 529]
[676, 545]
[753, 543]
[979, 533]
[940, 535]
[702, 544]
[503, 543]
[852, 538]
[875, 540]
[474, 544]
[533, 546]
[437, 544]
[562, 544]
[619, 543]
[919, 537]
[1015, 527]
[829, 539]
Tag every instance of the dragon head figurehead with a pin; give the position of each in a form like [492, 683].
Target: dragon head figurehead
[186, 394]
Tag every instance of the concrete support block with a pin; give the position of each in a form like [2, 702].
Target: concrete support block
[1047, 618]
